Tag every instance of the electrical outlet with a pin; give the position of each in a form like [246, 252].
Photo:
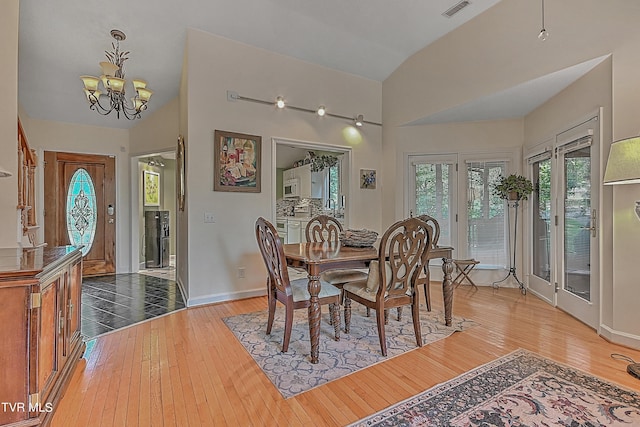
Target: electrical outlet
[209, 217]
[241, 271]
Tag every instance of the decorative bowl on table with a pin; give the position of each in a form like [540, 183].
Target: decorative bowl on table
[358, 238]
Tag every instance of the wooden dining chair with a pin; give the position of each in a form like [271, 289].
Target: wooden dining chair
[293, 294]
[424, 276]
[324, 228]
[403, 252]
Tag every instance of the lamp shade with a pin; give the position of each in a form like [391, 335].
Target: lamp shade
[115, 84]
[109, 69]
[90, 82]
[138, 83]
[623, 166]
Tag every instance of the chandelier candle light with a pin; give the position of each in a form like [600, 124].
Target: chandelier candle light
[113, 83]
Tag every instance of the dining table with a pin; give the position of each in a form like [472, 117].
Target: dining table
[318, 257]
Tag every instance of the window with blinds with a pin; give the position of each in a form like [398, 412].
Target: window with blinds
[487, 227]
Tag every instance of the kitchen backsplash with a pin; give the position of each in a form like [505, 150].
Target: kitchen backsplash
[286, 207]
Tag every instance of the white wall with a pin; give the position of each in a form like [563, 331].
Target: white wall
[157, 132]
[216, 65]
[625, 323]
[10, 233]
[499, 50]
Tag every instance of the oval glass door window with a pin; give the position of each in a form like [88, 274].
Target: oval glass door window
[81, 210]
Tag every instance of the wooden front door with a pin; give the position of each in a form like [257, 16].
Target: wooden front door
[58, 172]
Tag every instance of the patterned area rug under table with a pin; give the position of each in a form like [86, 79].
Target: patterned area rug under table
[293, 372]
[519, 389]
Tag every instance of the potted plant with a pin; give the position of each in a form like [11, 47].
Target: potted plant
[319, 163]
[514, 187]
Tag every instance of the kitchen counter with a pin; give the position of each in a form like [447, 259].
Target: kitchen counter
[292, 228]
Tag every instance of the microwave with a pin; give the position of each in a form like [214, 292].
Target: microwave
[291, 188]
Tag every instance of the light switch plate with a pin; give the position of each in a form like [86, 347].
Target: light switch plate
[209, 217]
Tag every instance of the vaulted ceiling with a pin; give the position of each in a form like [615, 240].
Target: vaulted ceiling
[59, 41]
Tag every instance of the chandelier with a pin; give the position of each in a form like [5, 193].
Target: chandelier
[112, 97]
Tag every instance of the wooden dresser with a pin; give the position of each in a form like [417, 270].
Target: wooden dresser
[40, 341]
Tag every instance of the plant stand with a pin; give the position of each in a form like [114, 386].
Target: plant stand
[512, 261]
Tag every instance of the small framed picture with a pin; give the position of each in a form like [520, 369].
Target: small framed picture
[151, 182]
[368, 179]
[236, 158]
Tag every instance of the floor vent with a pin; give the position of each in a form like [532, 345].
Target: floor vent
[456, 8]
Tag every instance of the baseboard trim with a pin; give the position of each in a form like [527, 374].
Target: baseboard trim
[214, 298]
[539, 295]
[622, 338]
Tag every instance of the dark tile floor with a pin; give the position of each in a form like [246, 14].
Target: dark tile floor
[115, 301]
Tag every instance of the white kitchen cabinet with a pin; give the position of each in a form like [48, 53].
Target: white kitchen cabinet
[296, 230]
[303, 227]
[294, 233]
[288, 174]
[281, 228]
[311, 183]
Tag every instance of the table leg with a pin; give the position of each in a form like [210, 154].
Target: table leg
[314, 314]
[447, 289]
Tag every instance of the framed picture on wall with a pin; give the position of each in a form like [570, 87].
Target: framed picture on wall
[151, 182]
[368, 179]
[236, 159]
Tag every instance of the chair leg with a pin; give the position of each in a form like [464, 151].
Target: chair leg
[368, 312]
[399, 313]
[288, 323]
[272, 311]
[347, 314]
[386, 317]
[427, 293]
[380, 317]
[335, 316]
[415, 312]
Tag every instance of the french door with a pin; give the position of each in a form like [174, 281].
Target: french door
[577, 243]
[541, 279]
[564, 268]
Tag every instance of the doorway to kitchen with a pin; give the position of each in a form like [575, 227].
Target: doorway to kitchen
[153, 219]
[308, 179]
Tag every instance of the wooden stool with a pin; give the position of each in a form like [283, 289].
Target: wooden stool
[464, 267]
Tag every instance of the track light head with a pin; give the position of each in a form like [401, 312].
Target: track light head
[321, 110]
[544, 34]
[280, 102]
[359, 120]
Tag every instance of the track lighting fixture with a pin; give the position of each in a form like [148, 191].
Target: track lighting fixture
[155, 162]
[321, 111]
[544, 34]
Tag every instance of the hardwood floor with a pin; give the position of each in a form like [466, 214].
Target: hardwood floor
[187, 368]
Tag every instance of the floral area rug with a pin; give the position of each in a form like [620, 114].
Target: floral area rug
[292, 372]
[520, 389]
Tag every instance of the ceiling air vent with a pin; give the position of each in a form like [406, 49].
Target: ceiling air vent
[456, 8]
